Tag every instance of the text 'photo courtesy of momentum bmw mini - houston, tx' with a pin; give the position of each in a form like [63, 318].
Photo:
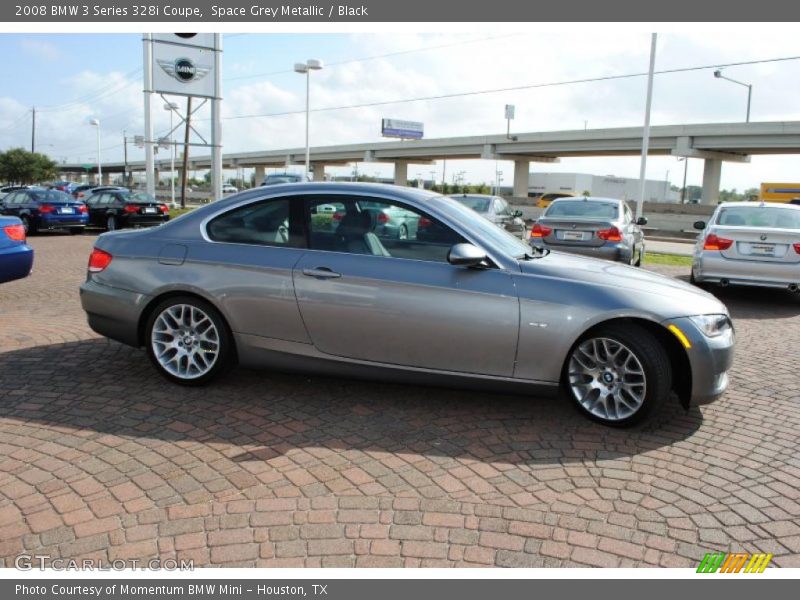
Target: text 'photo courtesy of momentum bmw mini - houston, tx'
[267, 279]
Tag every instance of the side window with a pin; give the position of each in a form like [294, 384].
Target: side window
[361, 225]
[10, 199]
[501, 207]
[261, 223]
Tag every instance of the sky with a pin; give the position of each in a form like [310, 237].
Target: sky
[72, 78]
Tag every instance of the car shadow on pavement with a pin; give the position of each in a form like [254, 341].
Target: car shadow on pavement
[104, 387]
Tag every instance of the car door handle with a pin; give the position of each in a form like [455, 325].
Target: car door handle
[321, 273]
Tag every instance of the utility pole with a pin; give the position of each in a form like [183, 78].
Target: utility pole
[646, 128]
[33, 129]
[125, 179]
[185, 171]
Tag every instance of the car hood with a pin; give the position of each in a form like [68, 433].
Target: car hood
[673, 297]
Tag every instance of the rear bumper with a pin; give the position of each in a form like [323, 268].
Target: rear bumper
[112, 312]
[712, 267]
[62, 221]
[709, 359]
[16, 262]
[142, 220]
[618, 252]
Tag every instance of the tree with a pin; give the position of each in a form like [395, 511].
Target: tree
[20, 166]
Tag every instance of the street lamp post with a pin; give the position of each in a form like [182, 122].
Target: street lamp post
[171, 107]
[312, 64]
[96, 123]
[718, 74]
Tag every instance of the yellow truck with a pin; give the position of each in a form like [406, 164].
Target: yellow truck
[779, 192]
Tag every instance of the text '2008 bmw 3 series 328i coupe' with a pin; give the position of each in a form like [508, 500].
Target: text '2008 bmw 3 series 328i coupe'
[301, 277]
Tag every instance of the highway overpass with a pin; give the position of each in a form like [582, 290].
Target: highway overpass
[715, 143]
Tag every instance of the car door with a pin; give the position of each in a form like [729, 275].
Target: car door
[93, 205]
[10, 204]
[400, 302]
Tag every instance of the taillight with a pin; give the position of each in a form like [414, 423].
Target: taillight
[47, 208]
[17, 232]
[713, 242]
[131, 209]
[83, 209]
[796, 248]
[610, 235]
[337, 216]
[424, 222]
[98, 260]
[540, 231]
[383, 217]
[164, 208]
[79, 195]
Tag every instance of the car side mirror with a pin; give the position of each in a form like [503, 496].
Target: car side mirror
[641, 221]
[466, 255]
[700, 225]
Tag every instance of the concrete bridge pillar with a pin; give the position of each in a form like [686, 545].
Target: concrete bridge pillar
[317, 172]
[712, 171]
[521, 178]
[401, 173]
[261, 173]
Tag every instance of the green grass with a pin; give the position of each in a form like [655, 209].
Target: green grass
[672, 260]
[174, 213]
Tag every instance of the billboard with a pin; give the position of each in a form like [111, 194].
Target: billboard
[401, 129]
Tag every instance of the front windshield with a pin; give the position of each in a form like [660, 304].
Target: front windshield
[476, 203]
[500, 238]
[768, 217]
[583, 209]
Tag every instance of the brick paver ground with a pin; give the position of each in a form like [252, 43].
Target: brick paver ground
[101, 458]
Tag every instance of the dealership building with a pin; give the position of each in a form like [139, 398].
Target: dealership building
[607, 186]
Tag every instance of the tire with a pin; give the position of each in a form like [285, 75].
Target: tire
[185, 319]
[593, 380]
[111, 223]
[402, 234]
[29, 225]
[75, 230]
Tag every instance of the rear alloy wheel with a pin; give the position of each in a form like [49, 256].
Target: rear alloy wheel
[403, 233]
[188, 341]
[618, 376]
[111, 222]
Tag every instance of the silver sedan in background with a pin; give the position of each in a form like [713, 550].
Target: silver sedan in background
[598, 227]
[263, 279]
[746, 243]
[494, 209]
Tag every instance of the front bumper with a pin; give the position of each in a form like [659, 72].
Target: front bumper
[709, 359]
[617, 252]
[712, 267]
[113, 312]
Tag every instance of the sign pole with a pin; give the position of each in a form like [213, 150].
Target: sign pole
[646, 129]
[150, 181]
[216, 120]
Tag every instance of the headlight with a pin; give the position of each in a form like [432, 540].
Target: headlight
[712, 325]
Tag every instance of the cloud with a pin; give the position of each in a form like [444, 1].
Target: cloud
[40, 48]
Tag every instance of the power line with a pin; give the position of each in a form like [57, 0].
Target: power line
[518, 88]
[377, 56]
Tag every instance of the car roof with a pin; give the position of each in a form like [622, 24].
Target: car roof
[759, 204]
[586, 198]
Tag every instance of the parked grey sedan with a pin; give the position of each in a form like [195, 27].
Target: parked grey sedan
[746, 243]
[599, 227]
[255, 279]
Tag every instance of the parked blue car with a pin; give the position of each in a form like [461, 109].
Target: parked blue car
[16, 257]
[46, 209]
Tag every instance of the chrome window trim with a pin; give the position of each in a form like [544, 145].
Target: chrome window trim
[491, 253]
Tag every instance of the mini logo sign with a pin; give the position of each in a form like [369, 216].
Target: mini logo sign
[184, 70]
[736, 562]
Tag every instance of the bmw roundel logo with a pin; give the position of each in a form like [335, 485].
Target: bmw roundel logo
[185, 69]
[763, 237]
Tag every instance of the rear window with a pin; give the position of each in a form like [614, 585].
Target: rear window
[51, 196]
[137, 197]
[480, 205]
[769, 217]
[583, 209]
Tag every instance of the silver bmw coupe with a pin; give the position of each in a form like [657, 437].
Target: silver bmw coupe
[270, 279]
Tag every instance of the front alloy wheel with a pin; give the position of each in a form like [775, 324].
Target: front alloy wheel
[188, 341]
[619, 376]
